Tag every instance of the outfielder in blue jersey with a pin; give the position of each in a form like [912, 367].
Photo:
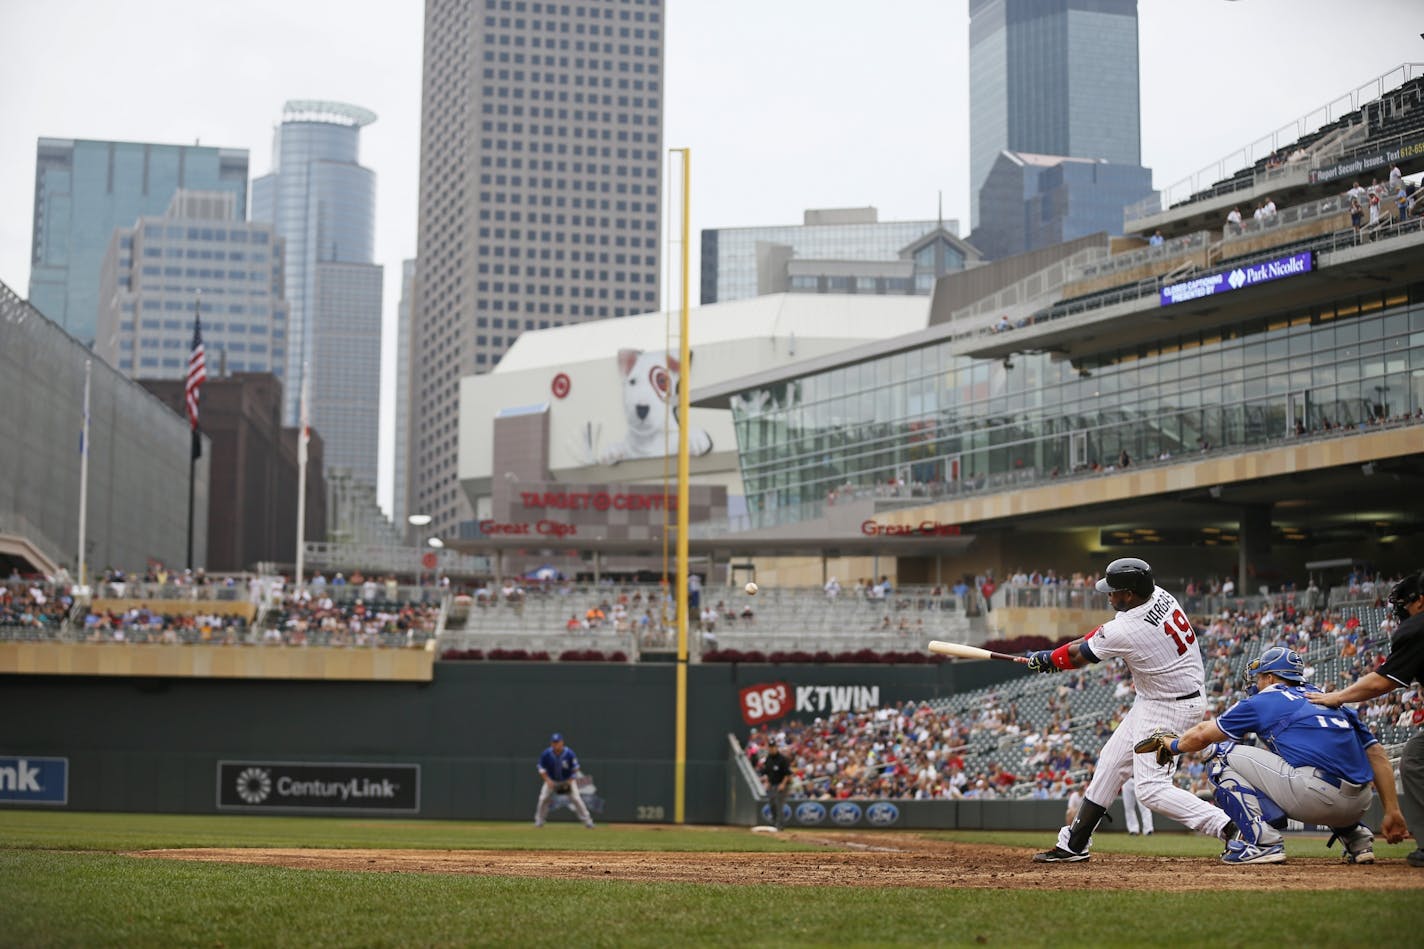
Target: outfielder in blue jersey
[559, 767]
[1316, 765]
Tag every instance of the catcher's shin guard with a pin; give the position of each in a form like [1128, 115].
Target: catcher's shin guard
[1271, 812]
[1248, 808]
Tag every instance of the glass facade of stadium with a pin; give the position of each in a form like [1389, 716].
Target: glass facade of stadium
[935, 424]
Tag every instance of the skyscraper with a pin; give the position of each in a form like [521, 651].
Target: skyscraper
[400, 495]
[1037, 201]
[540, 180]
[322, 203]
[743, 262]
[84, 189]
[1052, 77]
[197, 254]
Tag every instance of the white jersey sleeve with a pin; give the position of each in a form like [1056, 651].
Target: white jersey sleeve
[1159, 645]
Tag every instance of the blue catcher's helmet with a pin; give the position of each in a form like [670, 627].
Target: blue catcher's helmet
[1278, 661]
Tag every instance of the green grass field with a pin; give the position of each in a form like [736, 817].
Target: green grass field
[64, 882]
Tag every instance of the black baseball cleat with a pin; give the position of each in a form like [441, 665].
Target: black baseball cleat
[1059, 855]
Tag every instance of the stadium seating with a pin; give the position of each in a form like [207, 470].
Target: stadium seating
[776, 620]
[1045, 730]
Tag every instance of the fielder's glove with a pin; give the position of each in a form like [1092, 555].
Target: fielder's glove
[1041, 661]
[563, 787]
[1158, 743]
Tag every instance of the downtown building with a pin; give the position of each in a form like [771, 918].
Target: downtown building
[198, 257]
[321, 202]
[1051, 77]
[540, 188]
[85, 189]
[837, 250]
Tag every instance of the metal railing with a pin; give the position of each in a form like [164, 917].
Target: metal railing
[1167, 250]
[1325, 243]
[1220, 175]
[1295, 214]
[1024, 295]
[374, 558]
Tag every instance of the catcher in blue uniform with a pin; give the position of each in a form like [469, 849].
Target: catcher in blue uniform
[1316, 767]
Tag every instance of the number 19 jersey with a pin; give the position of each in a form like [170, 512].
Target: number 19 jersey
[1159, 645]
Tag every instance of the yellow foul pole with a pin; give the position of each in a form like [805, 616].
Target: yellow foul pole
[683, 458]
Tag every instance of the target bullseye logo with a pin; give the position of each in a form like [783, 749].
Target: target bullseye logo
[561, 385]
[254, 784]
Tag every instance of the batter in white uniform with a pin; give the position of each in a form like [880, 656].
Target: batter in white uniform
[1153, 636]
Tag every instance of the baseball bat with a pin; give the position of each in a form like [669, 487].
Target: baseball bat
[961, 651]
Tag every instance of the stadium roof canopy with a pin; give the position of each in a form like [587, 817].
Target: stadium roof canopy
[854, 317]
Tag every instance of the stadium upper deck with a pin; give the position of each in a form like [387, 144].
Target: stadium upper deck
[1221, 394]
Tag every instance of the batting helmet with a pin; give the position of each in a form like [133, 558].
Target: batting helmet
[1128, 573]
[1280, 662]
[1405, 592]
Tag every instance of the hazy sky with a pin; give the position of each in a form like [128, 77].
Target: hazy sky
[786, 104]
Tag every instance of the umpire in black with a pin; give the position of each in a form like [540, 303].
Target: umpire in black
[776, 768]
[1404, 665]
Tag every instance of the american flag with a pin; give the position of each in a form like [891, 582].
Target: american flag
[197, 372]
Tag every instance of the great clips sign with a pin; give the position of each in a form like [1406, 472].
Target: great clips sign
[1238, 279]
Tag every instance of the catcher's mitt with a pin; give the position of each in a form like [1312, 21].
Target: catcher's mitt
[1158, 743]
[563, 787]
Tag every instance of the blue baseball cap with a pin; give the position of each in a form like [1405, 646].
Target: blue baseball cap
[557, 736]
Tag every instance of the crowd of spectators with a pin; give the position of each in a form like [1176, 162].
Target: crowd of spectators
[139, 624]
[989, 748]
[130, 608]
[913, 750]
[313, 617]
[33, 604]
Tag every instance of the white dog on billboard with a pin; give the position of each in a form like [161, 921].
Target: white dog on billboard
[650, 379]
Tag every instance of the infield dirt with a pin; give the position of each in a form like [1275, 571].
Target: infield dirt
[847, 859]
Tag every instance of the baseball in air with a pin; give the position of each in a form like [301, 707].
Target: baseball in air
[751, 589]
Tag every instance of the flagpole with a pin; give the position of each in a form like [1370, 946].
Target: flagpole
[84, 481]
[302, 437]
[197, 372]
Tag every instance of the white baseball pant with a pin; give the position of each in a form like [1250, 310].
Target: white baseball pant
[1117, 762]
[546, 795]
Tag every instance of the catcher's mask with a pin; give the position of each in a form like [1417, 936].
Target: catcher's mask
[1278, 661]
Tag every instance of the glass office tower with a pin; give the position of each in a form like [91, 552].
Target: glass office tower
[85, 189]
[198, 254]
[1052, 77]
[322, 203]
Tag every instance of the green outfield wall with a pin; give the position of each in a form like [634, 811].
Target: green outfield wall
[462, 746]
